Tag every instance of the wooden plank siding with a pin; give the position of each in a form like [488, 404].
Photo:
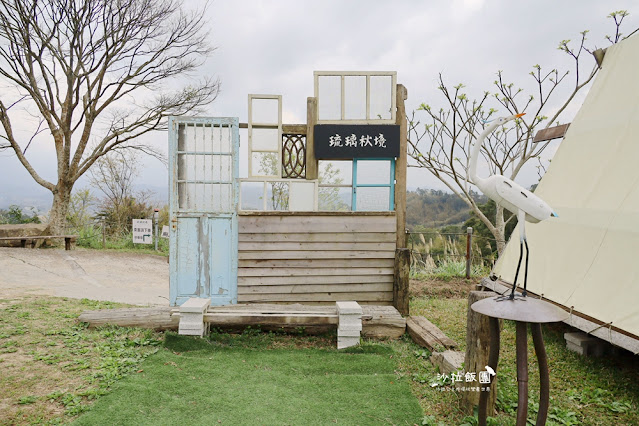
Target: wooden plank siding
[316, 258]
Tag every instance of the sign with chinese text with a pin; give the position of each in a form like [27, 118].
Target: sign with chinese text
[346, 141]
[142, 231]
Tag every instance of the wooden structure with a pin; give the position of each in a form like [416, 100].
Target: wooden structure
[377, 321]
[290, 249]
[316, 257]
[69, 240]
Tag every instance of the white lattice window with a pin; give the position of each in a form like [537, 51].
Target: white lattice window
[265, 136]
[356, 97]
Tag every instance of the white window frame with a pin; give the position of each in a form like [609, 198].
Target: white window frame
[266, 181]
[277, 126]
[368, 75]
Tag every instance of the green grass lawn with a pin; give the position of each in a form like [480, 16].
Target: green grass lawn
[216, 381]
[54, 369]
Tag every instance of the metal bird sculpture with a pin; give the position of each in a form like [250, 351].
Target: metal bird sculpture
[511, 196]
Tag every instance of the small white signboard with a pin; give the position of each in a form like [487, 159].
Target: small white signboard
[142, 231]
[165, 231]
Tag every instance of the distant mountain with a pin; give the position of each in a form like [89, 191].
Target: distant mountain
[433, 208]
[33, 195]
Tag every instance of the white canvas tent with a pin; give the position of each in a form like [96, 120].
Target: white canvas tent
[588, 259]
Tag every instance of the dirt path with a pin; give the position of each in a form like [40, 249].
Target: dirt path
[138, 279]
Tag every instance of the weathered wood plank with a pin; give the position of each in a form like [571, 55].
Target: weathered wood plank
[401, 165]
[301, 272]
[322, 237]
[268, 319]
[315, 279]
[158, 318]
[316, 263]
[401, 280]
[311, 121]
[275, 308]
[316, 297]
[551, 133]
[297, 129]
[316, 288]
[426, 334]
[288, 254]
[312, 224]
[382, 322]
[332, 246]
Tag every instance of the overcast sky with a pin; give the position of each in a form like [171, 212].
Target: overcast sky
[273, 47]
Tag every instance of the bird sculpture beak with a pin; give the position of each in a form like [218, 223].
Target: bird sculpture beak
[553, 214]
[520, 115]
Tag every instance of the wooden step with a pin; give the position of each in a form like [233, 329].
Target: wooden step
[427, 335]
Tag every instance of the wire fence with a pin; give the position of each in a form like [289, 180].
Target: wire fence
[451, 253]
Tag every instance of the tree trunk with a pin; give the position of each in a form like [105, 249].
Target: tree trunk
[500, 228]
[60, 208]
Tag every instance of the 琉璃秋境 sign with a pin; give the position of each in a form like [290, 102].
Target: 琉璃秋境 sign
[346, 141]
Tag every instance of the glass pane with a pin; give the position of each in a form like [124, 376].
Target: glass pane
[277, 196]
[335, 172]
[216, 139]
[183, 196]
[252, 195]
[225, 137]
[381, 93]
[265, 111]
[225, 168]
[373, 199]
[373, 172]
[329, 90]
[225, 198]
[189, 138]
[264, 164]
[181, 140]
[334, 198]
[265, 139]
[355, 97]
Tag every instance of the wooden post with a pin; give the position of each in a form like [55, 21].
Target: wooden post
[103, 235]
[400, 167]
[311, 120]
[402, 280]
[469, 245]
[476, 360]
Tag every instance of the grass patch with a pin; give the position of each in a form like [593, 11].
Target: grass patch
[229, 380]
[53, 367]
[590, 391]
[91, 238]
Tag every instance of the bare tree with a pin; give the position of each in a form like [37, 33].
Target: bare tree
[113, 174]
[94, 74]
[442, 144]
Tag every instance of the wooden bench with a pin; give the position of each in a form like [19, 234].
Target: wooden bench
[68, 239]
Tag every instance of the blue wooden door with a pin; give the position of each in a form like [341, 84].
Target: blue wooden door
[203, 182]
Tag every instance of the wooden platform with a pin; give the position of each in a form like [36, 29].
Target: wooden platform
[380, 322]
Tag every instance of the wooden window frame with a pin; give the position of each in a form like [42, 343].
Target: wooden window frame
[278, 126]
[368, 75]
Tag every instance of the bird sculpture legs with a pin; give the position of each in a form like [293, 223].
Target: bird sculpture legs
[521, 218]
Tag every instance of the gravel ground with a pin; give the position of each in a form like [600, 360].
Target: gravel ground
[138, 279]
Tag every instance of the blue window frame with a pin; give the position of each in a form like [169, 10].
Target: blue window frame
[370, 183]
[363, 193]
